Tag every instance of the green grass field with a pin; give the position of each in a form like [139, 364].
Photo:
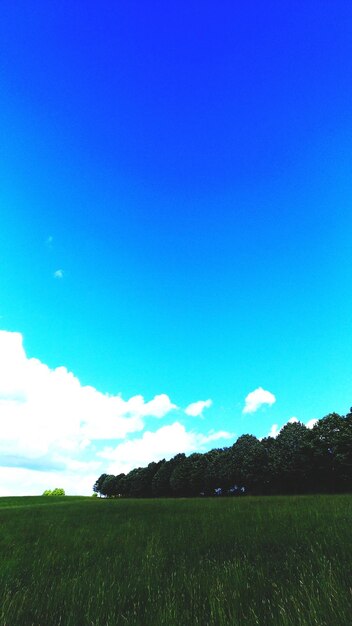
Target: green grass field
[83, 561]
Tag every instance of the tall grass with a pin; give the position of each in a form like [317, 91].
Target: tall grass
[275, 561]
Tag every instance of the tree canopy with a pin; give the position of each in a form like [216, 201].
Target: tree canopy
[299, 460]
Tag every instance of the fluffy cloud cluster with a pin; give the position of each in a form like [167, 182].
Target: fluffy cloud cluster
[42, 409]
[258, 398]
[52, 427]
[152, 446]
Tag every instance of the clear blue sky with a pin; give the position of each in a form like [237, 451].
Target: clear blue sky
[188, 167]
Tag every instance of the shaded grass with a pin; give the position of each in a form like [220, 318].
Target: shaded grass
[83, 561]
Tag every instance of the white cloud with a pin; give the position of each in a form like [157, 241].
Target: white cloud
[158, 407]
[311, 423]
[59, 274]
[256, 399]
[153, 446]
[196, 408]
[215, 436]
[48, 419]
[19, 481]
[274, 431]
[53, 428]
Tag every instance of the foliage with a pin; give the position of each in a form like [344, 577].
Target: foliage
[300, 460]
[97, 487]
[55, 492]
[161, 479]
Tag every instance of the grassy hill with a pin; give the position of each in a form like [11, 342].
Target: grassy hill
[84, 561]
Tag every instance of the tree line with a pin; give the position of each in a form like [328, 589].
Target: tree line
[299, 460]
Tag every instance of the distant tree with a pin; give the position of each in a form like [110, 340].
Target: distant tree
[108, 486]
[99, 483]
[332, 446]
[161, 479]
[179, 481]
[345, 451]
[294, 459]
[54, 492]
[132, 481]
[272, 478]
[248, 459]
[225, 471]
[139, 481]
[119, 485]
[212, 475]
[299, 460]
[196, 467]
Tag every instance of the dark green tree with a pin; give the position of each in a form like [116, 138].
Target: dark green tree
[161, 479]
[272, 477]
[118, 485]
[108, 487]
[140, 483]
[294, 459]
[299, 460]
[98, 484]
[196, 468]
[332, 440]
[248, 458]
[213, 471]
[179, 479]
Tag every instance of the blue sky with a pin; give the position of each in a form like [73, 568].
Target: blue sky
[186, 170]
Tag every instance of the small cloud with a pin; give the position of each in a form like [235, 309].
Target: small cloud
[196, 408]
[256, 399]
[292, 420]
[49, 242]
[59, 274]
[158, 407]
[215, 436]
[311, 423]
[274, 431]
